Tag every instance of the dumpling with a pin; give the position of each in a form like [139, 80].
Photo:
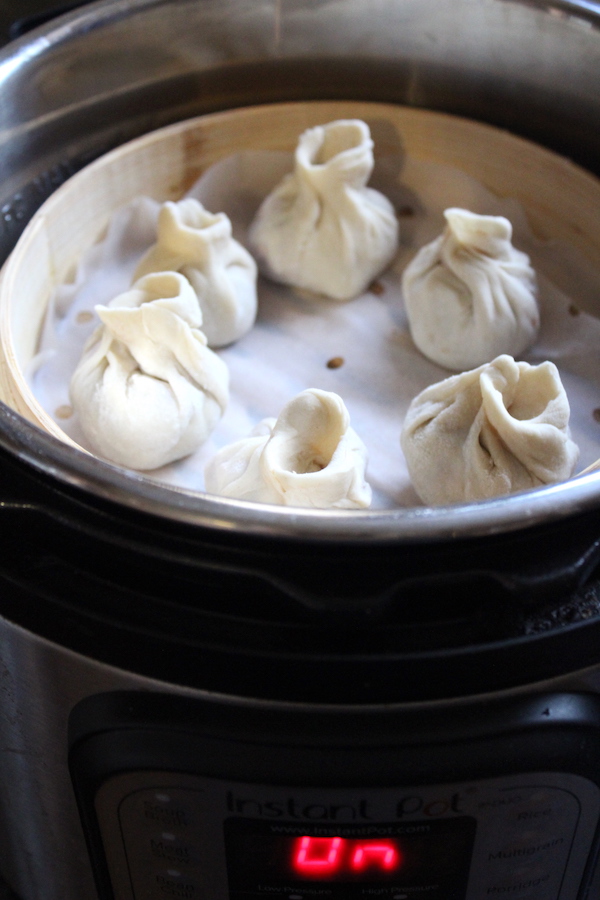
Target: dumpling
[470, 295]
[147, 389]
[199, 244]
[500, 428]
[309, 456]
[321, 229]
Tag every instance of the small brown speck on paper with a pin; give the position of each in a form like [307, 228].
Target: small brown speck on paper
[64, 412]
[335, 362]
[596, 414]
[377, 288]
[84, 317]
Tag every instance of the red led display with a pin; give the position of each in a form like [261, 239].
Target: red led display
[384, 855]
[318, 856]
[324, 857]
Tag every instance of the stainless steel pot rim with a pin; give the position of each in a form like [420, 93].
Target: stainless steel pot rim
[94, 14]
[135, 492]
[130, 490]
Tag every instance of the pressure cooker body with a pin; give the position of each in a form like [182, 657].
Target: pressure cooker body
[216, 699]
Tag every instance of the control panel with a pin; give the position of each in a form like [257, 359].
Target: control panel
[198, 799]
[192, 838]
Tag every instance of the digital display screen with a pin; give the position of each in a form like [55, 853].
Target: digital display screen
[337, 857]
[265, 857]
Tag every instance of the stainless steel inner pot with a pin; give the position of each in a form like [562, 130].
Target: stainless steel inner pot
[82, 85]
[115, 69]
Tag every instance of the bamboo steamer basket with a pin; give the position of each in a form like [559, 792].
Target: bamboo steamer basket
[561, 201]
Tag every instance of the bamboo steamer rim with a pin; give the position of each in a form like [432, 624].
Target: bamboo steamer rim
[560, 200]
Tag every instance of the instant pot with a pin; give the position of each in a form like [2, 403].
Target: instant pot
[215, 700]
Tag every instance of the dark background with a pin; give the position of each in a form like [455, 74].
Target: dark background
[13, 10]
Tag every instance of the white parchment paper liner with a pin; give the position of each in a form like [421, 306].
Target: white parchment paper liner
[294, 337]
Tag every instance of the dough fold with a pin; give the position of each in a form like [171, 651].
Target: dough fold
[199, 245]
[322, 229]
[497, 429]
[147, 389]
[470, 295]
[309, 456]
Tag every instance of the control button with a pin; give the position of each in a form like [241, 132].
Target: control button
[530, 887]
[164, 810]
[173, 883]
[526, 849]
[525, 841]
[160, 834]
[169, 848]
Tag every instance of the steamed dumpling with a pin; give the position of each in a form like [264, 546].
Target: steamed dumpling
[500, 428]
[309, 456]
[147, 389]
[199, 244]
[321, 229]
[470, 295]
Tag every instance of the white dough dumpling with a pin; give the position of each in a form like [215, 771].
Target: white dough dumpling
[322, 229]
[147, 389]
[470, 295]
[500, 428]
[309, 456]
[199, 244]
